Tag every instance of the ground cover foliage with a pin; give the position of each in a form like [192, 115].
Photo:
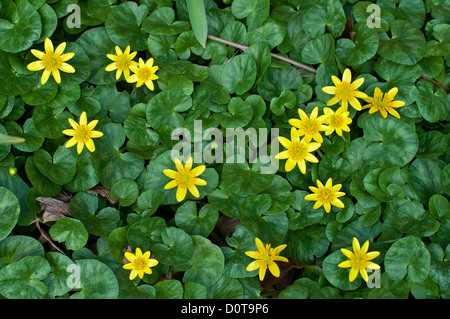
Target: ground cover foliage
[62, 211]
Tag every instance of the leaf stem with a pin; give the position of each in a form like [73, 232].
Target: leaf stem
[276, 56]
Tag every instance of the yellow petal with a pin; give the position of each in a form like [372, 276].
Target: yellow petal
[83, 119]
[149, 84]
[199, 181]
[38, 54]
[353, 274]
[36, 66]
[80, 147]
[112, 57]
[329, 89]
[349, 254]
[355, 245]
[48, 45]
[194, 190]
[45, 76]
[69, 132]
[90, 145]
[67, 56]
[347, 76]
[60, 48]
[111, 67]
[170, 173]
[65, 67]
[345, 264]
[171, 184]
[71, 142]
[57, 76]
[274, 269]
[73, 123]
[197, 171]
[290, 164]
[181, 193]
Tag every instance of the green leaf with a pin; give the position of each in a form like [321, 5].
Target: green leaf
[245, 179]
[407, 256]
[407, 45]
[361, 48]
[197, 16]
[306, 244]
[393, 142]
[69, 231]
[123, 25]
[97, 281]
[146, 232]
[84, 207]
[329, 14]
[14, 248]
[206, 264]
[96, 43]
[424, 176]
[126, 191]
[56, 280]
[169, 289]
[254, 215]
[196, 223]
[176, 248]
[23, 279]
[161, 22]
[256, 11]
[33, 140]
[59, 168]
[20, 25]
[432, 101]
[9, 212]
[239, 74]
[165, 108]
[432, 144]
[225, 288]
[43, 184]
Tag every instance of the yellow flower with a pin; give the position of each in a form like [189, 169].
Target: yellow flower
[359, 260]
[385, 103]
[144, 72]
[309, 126]
[297, 151]
[139, 263]
[345, 91]
[51, 61]
[122, 62]
[265, 258]
[82, 134]
[326, 195]
[185, 178]
[337, 121]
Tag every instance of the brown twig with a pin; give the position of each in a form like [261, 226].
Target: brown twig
[276, 56]
[442, 86]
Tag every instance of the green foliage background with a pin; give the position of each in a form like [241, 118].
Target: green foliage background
[92, 206]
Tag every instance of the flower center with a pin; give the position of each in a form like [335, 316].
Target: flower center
[326, 195]
[140, 264]
[310, 127]
[144, 74]
[51, 62]
[82, 133]
[336, 120]
[343, 91]
[297, 151]
[359, 261]
[123, 62]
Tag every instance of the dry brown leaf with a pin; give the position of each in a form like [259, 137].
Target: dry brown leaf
[54, 208]
[103, 192]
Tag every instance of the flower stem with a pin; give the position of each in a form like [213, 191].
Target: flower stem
[276, 56]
